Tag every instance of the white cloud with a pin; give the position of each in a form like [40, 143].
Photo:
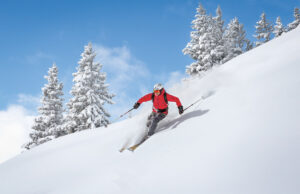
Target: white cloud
[15, 124]
[28, 99]
[29, 102]
[125, 75]
[123, 68]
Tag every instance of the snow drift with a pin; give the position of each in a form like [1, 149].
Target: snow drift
[243, 138]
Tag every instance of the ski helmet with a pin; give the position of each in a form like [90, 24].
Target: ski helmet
[158, 86]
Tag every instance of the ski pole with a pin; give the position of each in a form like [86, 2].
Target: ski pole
[124, 114]
[193, 103]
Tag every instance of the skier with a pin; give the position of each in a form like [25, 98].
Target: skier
[160, 100]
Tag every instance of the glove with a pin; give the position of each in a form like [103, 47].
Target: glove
[180, 109]
[136, 105]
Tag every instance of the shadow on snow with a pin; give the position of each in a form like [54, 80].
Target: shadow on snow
[174, 123]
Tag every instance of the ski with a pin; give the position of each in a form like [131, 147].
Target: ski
[132, 148]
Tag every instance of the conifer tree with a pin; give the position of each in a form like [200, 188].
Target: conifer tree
[220, 50]
[204, 46]
[48, 125]
[235, 39]
[249, 45]
[219, 20]
[278, 28]
[296, 22]
[90, 93]
[263, 30]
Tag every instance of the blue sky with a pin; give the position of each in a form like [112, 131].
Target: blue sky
[138, 42]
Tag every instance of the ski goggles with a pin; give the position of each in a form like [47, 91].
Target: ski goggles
[156, 91]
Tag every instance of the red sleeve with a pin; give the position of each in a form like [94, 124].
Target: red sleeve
[145, 98]
[173, 99]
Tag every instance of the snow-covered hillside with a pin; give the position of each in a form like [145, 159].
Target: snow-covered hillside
[243, 138]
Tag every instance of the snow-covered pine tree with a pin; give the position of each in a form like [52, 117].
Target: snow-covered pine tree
[278, 28]
[249, 45]
[203, 46]
[199, 25]
[296, 22]
[218, 19]
[48, 124]
[263, 30]
[220, 49]
[90, 93]
[235, 39]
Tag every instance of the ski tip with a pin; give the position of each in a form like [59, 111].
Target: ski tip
[129, 149]
[132, 148]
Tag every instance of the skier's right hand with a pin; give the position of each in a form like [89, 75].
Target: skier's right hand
[136, 105]
[180, 109]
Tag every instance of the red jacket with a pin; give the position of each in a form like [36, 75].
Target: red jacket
[159, 101]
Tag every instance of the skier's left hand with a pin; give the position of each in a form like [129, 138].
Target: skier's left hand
[180, 109]
[136, 105]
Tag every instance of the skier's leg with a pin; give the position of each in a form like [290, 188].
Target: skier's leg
[158, 117]
[150, 118]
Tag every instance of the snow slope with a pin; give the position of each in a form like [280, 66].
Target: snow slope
[243, 138]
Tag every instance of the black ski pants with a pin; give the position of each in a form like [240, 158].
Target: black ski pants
[153, 120]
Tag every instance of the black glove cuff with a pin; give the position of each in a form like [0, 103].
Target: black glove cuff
[136, 105]
[180, 109]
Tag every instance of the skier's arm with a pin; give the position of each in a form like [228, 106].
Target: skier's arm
[174, 99]
[145, 98]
